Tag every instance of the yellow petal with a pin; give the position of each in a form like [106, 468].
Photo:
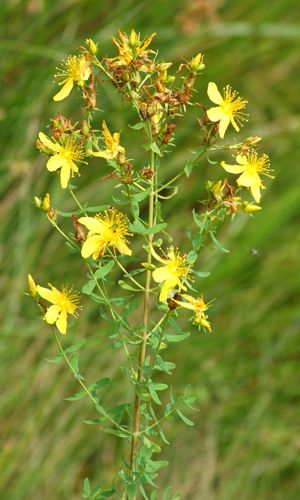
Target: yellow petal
[50, 295]
[52, 314]
[93, 245]
[255, 191]
[242, 159]
[167, 287]
[123, 248]
[232, 169]
[225, 120]
[215, 114]
[55, 162]
[247, 179]
[234, 124]
[147, 42]
[92, 224]
[61, 323]
[162, 274]
[65, 90]
[101, 154]
[65, 174]
[187, 305]
[53, 146]
[214, 94]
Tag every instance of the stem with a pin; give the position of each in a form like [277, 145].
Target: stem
[142, 355]
[83, 384]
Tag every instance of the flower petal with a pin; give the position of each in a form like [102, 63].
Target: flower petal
[50, 295]
[65, 174]
[162, 274]
[247, 179]
[255, 191]
[123, 248]
[92, 224]
[52, 314]
[225, 120]
[53, 146]
[232, 169]
[167, 287]
[108, 155]
[65, 90]
[214, 94]
[234, 124]
[215, 114]
[61, 323]
[55, 162]
[93, 245]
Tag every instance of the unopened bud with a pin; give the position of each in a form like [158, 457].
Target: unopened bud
[133, 39]
[249, 208]
[32, 288]
[46, 205]
[85, 128]
[38, 202]
[52, 214]
[92, 46]
[196, 63]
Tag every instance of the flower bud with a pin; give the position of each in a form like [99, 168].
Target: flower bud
[85, 128]
[32, 288]
[133, 39]
[196, 63]
[38, 202]
[92, 46]
[249, 208]
[46, 205]
[52, 214]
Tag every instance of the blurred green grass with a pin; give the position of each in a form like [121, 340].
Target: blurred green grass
[245, 443]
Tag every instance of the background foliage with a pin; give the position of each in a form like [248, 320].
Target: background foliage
[245, 443]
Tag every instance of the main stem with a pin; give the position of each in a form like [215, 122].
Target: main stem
[137, 402]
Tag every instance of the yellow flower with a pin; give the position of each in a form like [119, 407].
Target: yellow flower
[199, 307]
[31, 286]
[251, 166]
[75, 69]
[107, 230]
[130, 47]
[228, 109]
[63, 157]
[112, 142]
[63, 303]
[174, 270]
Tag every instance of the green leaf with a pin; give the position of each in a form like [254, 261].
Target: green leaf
[54, 360]
[126, 286]
[188, 168]
[93, 421]
[106, 494]
[102, 382]
[176, 338]
[99, 208]
[86, 488]
[72, 248]
[186, 420]
[202, 274]
[104, 270]
[137, 126]
[217, 243]
[77, 396]
[153, 394]
[156, 229]
[160, 387]
[88, 287]
[75, 347]
[192, 256]
[154, 147]
[142, 195]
